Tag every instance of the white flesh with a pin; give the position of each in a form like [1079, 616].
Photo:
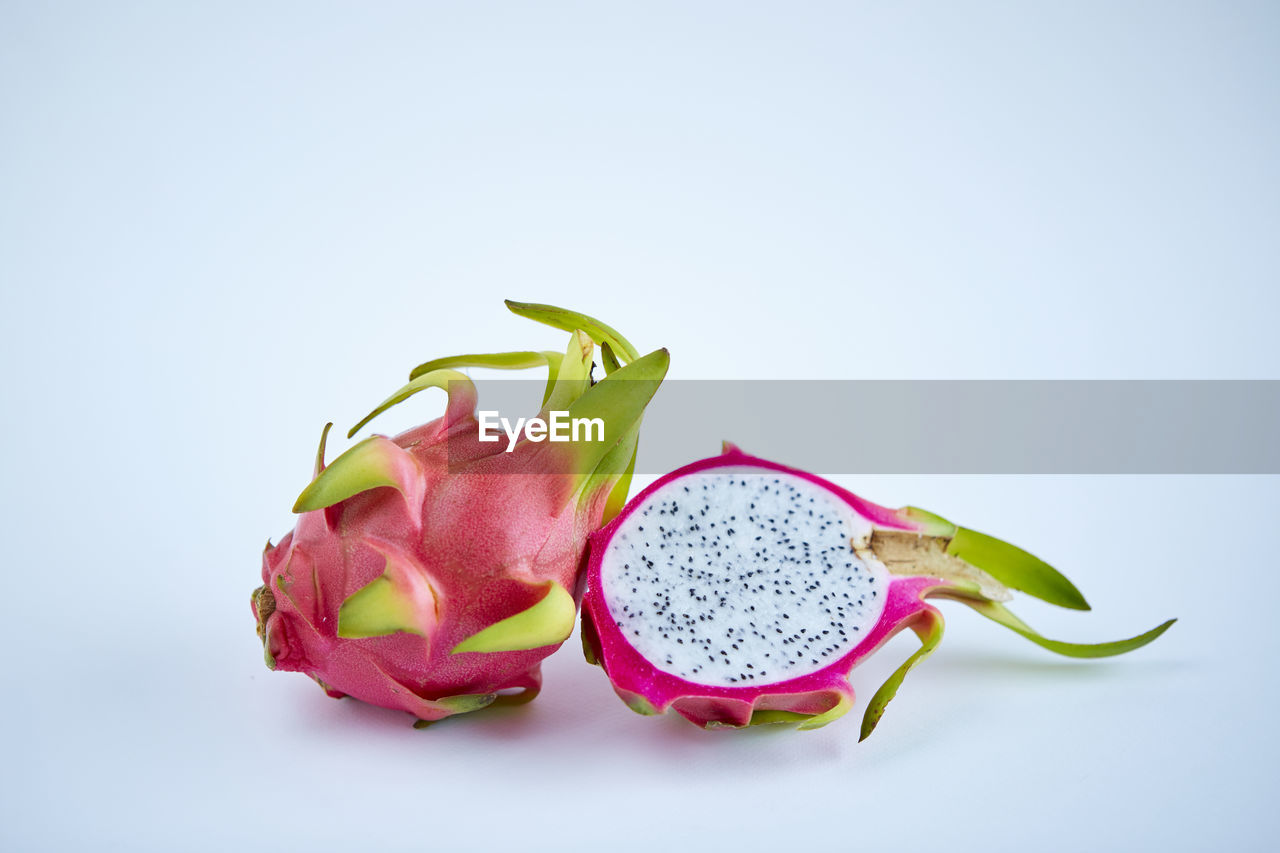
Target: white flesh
[739, 576]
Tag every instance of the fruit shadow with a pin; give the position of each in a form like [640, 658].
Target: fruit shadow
[948, 699]
[578, 715]
[970, 666]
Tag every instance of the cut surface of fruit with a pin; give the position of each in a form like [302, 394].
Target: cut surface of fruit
[737, 591]
[702, 580]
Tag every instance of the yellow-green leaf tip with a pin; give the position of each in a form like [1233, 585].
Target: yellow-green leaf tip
[377, 609]
[546, 623]
[372, 463]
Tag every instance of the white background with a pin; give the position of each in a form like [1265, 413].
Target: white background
[221, 227]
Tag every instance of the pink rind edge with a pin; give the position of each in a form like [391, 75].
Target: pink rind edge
[630, 672]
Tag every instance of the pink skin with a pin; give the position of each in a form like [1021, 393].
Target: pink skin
[486, 537]
[634, 677]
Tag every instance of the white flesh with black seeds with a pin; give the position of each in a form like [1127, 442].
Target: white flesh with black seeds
[736, 576]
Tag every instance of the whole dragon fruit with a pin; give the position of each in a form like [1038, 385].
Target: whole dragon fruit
[738, 591]
[433, 571]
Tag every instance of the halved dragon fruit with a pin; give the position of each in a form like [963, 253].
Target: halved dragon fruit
[738, 591]
[433, 571]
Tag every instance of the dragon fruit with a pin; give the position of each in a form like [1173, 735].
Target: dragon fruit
[433, 571]
[738, 591]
